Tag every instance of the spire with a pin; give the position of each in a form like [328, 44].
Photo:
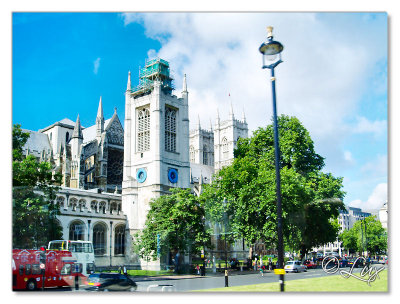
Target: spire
[243, 116]
[231, 116]
[211, 128]
[100, 120]
[128, 86]
[100, 110]
[198, 122]
[217, 119]
[78, 129]
[184, 87]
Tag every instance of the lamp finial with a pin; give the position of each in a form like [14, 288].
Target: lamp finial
[269, 30]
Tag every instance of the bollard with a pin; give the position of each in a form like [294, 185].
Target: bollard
[226, 278]
[76, 283]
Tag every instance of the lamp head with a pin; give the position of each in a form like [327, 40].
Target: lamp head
[271, 49]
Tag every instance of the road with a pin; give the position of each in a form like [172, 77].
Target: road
[209, 282]
[187, 283]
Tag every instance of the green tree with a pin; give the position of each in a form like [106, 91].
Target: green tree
[367, 234]
[34, 191]
[311, 199]
[174, 223]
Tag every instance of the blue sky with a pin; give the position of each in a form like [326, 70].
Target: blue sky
[333, 78]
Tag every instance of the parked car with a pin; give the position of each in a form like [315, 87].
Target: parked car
[343, 262]
[295, 266]
[110, 282]
[358, 262]
[310, 264]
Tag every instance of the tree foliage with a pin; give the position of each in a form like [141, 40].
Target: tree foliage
[367, 234]
[34, 192]
[310, 198]
[174, 223]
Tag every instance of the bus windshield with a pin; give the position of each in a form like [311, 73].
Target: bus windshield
[85, 247]
[81, 247]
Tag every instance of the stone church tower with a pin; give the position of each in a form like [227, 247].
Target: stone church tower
[156, 141]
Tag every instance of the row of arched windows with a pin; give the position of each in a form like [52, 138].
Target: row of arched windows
[95, 206]
[77, 231]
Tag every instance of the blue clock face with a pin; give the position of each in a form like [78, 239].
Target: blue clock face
[141, 175]
[173, 175]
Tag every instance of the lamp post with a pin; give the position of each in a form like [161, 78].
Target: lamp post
[226, 251]
[271, 51]
[111, 223]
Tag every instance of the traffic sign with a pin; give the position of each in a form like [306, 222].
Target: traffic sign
[42, 266]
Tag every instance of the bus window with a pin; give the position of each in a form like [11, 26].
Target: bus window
[87, 248]
[77, 268]
[21, 269]
[66, 269]
[36, 269]
[89, 267]
[56, 246]
[28, 269]
[76, 247]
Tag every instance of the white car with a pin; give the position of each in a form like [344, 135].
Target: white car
[295, 266]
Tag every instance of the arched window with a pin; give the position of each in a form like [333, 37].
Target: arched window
[170, 129]
[102, 207]
[73, 202]
[225, 149]
[143, 135]
[60, 201]
[191, 154]
[205, 155]
[66, 137]
[93, 206]
[51, 136]
[113, 207]
[119, 240]
[76, 231]
[99, 239]
[82, 205]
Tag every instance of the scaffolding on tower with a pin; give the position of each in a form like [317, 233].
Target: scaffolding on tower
[155, 69]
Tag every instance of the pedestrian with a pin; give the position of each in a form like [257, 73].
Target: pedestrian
[198, 269]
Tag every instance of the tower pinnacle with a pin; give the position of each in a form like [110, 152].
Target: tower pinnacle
[77, 129]
[184, 86]
[128, 86]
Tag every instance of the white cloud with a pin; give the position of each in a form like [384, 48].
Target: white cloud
[377, 127]
[376, 168]
[348, 156]
[96, 65]
[375, 200]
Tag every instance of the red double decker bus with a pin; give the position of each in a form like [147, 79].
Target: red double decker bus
[30, 268]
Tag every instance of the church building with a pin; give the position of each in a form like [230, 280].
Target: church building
[111, 173]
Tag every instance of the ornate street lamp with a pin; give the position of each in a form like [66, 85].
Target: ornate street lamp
[271, 51]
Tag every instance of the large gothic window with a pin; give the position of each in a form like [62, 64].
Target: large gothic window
[143, 135]
[205, 155]
[225, 150]
[119, 240]
[99, 239]
[76, 231]
[170, 129]
[191, 154]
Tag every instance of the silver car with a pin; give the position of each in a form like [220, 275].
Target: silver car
[295, 266]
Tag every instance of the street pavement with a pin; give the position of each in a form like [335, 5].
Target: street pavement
[190, 283]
